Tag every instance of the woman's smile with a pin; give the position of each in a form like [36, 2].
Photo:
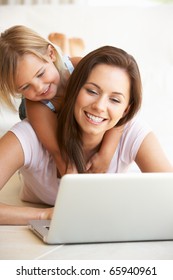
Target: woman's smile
[94, 119]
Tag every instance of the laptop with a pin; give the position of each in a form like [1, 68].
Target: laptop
[92, 208]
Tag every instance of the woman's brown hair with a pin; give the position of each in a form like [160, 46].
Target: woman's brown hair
[69, 135]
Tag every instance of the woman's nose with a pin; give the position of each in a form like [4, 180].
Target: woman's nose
[100, 104]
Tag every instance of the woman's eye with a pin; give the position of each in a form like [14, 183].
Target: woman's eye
[91, 91]
[115, 100]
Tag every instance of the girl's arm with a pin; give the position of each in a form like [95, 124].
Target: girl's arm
[100, 162]
[44, 122]
[150, 156]
[11, 159]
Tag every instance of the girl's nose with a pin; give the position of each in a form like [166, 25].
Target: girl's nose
[38, 86]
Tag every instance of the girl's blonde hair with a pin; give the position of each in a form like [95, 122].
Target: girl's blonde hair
[15, 42]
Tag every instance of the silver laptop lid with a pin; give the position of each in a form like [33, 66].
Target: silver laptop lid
[113, 207]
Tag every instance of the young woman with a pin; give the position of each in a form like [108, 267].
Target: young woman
[103, 92]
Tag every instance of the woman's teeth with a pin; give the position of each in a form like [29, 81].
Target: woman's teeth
[94, 118]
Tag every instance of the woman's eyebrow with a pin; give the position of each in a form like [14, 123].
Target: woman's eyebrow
[119, 93]
[91, 83]
[114, 92]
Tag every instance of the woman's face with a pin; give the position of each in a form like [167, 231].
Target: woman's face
[103, 100]
[36, 79]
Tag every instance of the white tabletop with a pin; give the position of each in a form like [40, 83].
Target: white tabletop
[18, 242]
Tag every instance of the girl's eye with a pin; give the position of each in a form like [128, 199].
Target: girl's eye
[25, 88]
[41, 74]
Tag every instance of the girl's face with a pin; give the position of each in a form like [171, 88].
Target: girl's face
[103, 100]
[36, 79]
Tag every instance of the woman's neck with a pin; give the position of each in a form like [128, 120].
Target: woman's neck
[91, 145]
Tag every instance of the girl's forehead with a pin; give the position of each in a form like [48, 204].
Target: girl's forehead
[29, 62]
[28, 66]
[28, 56]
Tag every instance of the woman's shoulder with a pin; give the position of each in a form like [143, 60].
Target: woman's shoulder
[134, 133]
[137, 124]
[32, 147]
[26, 135]
[22, 126]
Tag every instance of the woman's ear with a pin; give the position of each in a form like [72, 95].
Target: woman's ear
[51, 53]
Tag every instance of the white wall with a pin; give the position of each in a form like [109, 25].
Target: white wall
[145, 32]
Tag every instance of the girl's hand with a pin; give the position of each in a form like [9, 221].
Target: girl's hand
[71, 169]
[98, 164]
